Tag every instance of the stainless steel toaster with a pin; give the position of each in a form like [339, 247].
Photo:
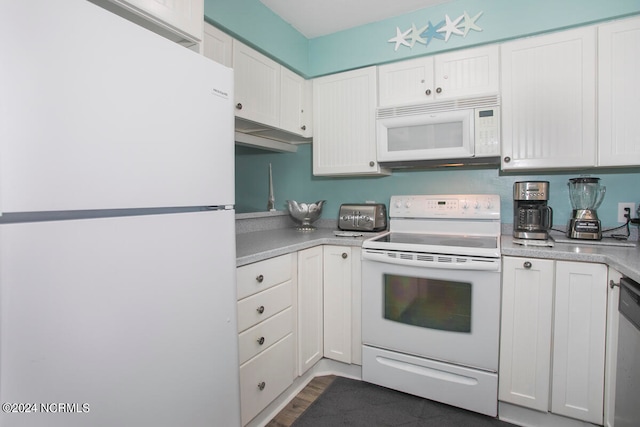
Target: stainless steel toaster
[363, 217]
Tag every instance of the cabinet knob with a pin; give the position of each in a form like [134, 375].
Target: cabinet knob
[303, 127]
[238, 106]
[261, 385]
[427, 92]
[526, 265]
[613, 284]
[261, 340]
[260, 309]
[439, 90]
[260, 278]
[344, 255]
[372, 164]
[507, 159]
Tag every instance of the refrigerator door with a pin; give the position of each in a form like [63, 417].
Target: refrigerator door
[98, 113]
[125, 321]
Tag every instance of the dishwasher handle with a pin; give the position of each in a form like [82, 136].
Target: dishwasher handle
[629, 302]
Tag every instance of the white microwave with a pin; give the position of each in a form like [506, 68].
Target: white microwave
[430, 132]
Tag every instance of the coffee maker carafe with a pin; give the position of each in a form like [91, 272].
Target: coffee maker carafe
[585, 194]
[532, 218]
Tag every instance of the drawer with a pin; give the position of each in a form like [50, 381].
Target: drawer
[256, 308]
[262, 275]
[265, 334]
[265, 376]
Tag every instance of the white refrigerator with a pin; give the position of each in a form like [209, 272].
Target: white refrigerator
[117, 242]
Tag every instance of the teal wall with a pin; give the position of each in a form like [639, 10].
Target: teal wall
[255, 24]
[293, 179]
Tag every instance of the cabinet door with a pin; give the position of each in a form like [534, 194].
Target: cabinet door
[344, 124]
[337, 303]
[611, 348]
[217, 45]
[548, 98]
[257, 86]
[618, 93]
[292, 87]
[580, 319]
[525, 338]
[406, 82]
[310, 342]
[469, 72]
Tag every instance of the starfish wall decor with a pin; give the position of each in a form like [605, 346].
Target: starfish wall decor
[443, 30]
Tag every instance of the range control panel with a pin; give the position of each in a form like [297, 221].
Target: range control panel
[476, 206]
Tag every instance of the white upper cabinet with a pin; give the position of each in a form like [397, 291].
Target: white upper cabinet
[179, 20]
[344, 107]
[618, 93]
[217, 45]
[295, 114]
[549, 101]
[464, 73]
[257, 86]
[269, 94]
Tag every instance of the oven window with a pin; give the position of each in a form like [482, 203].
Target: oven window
[428, 303]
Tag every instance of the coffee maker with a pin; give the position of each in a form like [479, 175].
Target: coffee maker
[532, 218]
[585, 194]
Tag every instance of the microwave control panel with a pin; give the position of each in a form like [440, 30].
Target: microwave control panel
[487, 132]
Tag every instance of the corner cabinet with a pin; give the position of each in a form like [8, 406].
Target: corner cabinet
[618, 93]
[469, 72]
[559, 302]
[344, 140]
[549, 101]
[217, 45]
[310, 306]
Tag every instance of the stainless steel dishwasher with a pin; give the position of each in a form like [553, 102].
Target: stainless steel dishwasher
[627, 409]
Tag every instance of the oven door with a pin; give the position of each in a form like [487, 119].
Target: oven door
[444, 314]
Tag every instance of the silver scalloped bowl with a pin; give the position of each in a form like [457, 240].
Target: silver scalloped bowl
[305, 213]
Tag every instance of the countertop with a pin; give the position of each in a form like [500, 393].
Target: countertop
[259, 245]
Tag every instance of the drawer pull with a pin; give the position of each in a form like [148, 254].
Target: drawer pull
[261, 385]
[261, 340]
[344, 255]
[526, 265]
[260, 309]
[260, 278]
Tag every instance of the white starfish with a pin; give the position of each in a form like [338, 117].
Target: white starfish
[400, 38]
[470, 23]
[450, 27]
[415, 35]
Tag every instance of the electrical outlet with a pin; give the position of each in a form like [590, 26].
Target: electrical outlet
[621, 212]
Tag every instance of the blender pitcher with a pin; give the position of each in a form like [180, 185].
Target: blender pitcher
[586, 195]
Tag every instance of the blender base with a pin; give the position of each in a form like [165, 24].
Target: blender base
[585, 229]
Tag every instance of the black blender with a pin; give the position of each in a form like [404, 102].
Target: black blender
[585, 194]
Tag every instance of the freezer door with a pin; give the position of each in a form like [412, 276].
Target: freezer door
[98, 113]
[125, 321]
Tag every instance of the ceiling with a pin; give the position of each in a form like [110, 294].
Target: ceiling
[314, 18]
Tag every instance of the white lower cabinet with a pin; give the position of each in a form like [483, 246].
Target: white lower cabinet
[310, 327]
[266, 326]
[342, 337]
[552, 348]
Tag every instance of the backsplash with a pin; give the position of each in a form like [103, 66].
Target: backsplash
[293, 179]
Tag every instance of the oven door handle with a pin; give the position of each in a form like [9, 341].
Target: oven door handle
[441, 261]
